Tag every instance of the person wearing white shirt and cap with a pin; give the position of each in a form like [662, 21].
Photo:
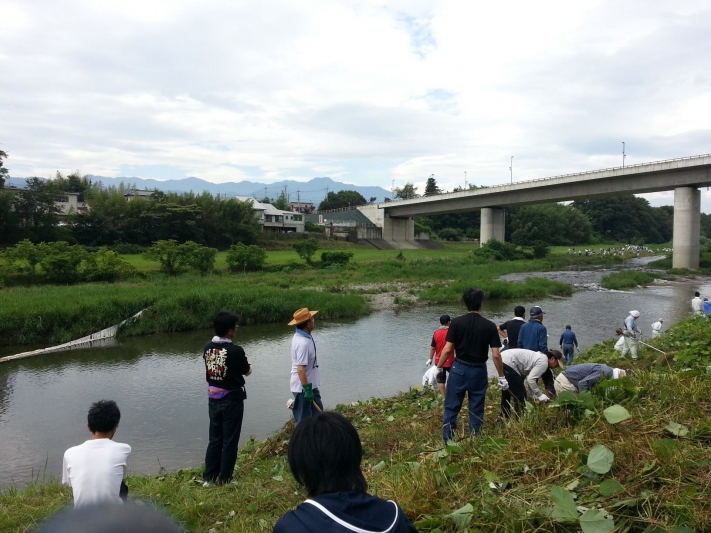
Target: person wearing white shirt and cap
[697, 304]
[657, 328]
[632, 334]
[519, 364]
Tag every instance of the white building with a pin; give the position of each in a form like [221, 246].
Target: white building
[273, 219]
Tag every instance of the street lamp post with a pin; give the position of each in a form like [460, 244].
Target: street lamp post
[623, 154]
[511, 170]
[465, 180]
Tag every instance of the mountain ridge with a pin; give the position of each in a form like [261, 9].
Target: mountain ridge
[314, 190]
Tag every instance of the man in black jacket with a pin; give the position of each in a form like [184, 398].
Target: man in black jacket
[225, 367]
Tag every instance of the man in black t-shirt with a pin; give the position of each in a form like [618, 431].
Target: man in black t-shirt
[225, 367]
[509, 329]
[471, 335]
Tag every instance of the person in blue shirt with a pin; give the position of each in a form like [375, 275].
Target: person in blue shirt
[533, 335]
[568, 344]
[707, 306]
[324, 456]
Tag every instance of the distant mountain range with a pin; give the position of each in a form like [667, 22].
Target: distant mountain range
[309, 191]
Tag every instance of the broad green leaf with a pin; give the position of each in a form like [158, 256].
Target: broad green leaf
[616, 413]
[490, 476]
[391, 418]
[573, 484]
[680, 430]
[252, 507]
[610, 487]
[600, 459]
[413, 464]
[565, 508]
[453, 447]
[629, 502]
[665, 447]
[452, 470]
[559, 444]
[278, 478]
[596, 521]
[682, 529]
[463, 516]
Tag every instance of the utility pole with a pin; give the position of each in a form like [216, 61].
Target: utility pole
[623, 154]
[511, 170]
[465, 180]
[392, 191]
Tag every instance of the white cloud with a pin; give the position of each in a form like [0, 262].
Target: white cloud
[361, 90]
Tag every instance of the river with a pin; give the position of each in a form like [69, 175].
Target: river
[158, 381]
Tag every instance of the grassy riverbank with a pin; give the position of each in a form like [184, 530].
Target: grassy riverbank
[53, 313]
[537, 474]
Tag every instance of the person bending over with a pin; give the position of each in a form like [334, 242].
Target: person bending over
[580, 378]
[520, 364]
[96, 469]
[324, 456]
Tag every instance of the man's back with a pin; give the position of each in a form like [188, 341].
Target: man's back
[512, 328]
[95, 470]
[533, 336]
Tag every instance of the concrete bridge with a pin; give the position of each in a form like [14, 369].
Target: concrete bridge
[684, 176]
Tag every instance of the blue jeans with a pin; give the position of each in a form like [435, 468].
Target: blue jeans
[464, 380]
[302, 408]
[568, 353]
[225, 428]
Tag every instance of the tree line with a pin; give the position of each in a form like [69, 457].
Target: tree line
[33, 214]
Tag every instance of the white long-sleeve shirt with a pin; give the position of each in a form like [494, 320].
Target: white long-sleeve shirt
[697, 305]
[528, 364]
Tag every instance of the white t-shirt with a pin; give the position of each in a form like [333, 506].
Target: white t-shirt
[303, 353]
[95, 470]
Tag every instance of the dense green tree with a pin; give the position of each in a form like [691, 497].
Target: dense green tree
[9, 223]
[627, 218]
[36, 209]
[705, 225]
[3, 170]
[336, 200]
[552, 224]
[406, 192]
[431, 189]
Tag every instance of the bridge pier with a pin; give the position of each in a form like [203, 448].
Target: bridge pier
[492, 225]
[687, 227]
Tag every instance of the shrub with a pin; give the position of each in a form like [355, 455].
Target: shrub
[198, 257]
[450, 234]
[106, 265]
[61, 262]
[540, 250]
[244, 258]
[335, 258]
[310, 227]
[306, 249]
[171, 256]
[27, 254]
[500, 251]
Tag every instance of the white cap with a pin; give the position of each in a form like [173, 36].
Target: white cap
[661, 320]
[618, 373]
[635, 313]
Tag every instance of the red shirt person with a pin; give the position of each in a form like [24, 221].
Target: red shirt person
[439, 339]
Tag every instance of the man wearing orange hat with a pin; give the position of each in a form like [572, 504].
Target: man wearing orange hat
[305, 378]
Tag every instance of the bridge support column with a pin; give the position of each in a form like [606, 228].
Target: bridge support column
[398, 229]
[687, 227]
[492, 225]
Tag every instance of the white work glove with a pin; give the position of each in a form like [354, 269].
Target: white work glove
[503, 384]
[429, 362]
[543, 398]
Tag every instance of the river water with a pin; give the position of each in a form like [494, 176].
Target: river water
[158, 381]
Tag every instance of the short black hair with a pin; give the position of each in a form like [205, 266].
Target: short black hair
[472, 299]
[104, 416]
[697, 293]
[519, 310]
[567, 327]
[225, 321]
[325, 454]
[444, 319]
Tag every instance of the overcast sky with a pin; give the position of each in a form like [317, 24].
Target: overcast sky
[365, 92]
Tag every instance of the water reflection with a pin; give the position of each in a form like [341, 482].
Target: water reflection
[158, 381]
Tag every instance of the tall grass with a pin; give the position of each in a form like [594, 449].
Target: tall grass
[627, 279]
